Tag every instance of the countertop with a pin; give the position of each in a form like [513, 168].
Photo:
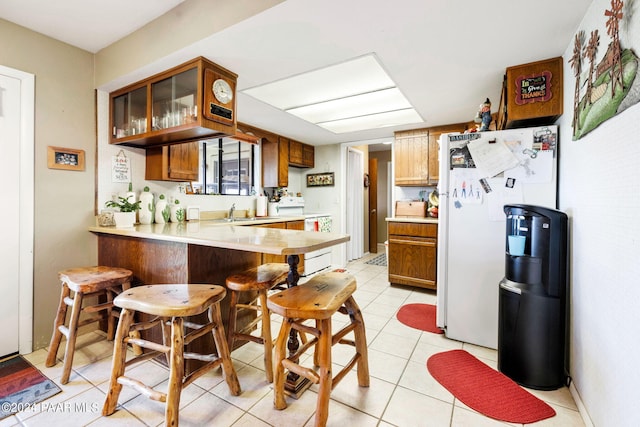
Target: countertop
[223, 235]
[426, 220]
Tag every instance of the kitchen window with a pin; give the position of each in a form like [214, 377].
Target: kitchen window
[227, 167]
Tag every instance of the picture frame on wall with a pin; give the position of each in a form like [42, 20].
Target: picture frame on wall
[65, 158]
[320, 179]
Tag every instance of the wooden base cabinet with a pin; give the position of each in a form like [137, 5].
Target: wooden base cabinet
[413, 249]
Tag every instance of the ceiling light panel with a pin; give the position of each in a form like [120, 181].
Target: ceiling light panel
[351, 96]
[353, 106]
[373, 121]
[360, 75]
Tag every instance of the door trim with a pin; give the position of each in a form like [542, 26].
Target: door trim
[26, 206]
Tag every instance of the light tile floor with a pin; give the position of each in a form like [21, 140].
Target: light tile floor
[402, 393]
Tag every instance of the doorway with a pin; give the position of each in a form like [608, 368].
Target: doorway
[17, 90]
[354, 204]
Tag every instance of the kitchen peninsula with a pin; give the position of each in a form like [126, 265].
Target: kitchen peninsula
[203, 252]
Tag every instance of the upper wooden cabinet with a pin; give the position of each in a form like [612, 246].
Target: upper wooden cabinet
[301, 155]
[411, 158]
[275, 161]
[177, 162]
[415, 152]
[193, 100]
[532, 94]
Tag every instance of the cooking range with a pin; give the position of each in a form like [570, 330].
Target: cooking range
[317, 260]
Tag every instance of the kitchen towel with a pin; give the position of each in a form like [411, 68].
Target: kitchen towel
[324, 224]
[486, 390]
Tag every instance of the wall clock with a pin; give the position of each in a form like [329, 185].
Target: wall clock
[222, 91]
[219, 96]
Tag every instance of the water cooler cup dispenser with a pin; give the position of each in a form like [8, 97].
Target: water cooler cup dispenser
[532, 331]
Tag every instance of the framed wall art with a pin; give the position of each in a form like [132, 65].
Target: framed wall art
[320, 179]
[65, 158]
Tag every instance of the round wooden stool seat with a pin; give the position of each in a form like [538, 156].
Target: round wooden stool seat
[249, 292]
[319, 299]
[261, 278]
[173, 306]
[106, 282]
[93, 279]
[170, 300]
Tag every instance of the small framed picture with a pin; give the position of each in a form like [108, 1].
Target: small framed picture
[320, 179]
[65, 158]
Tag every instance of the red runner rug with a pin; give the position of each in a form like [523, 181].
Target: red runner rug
[486, 390]
[22, 385]
[419, 316]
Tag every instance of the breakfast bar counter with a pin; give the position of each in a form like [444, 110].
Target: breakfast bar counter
[203, 252]
[235, 237]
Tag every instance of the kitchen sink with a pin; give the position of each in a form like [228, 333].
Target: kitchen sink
[230, 221]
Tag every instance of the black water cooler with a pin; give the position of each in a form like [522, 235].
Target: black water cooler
[532, 331]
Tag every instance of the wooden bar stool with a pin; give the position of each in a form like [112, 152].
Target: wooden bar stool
[170, 304]
[319, 299]
[84, 282]
[255, 283]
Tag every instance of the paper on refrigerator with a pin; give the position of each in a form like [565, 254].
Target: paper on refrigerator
[491, 157]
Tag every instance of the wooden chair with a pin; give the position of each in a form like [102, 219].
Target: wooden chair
[85, 282]
[170, 304]
[319, 299]
[253, 285]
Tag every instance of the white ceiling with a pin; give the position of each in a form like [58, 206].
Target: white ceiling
[445, 56]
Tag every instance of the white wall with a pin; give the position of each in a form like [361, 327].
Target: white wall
[600, 191]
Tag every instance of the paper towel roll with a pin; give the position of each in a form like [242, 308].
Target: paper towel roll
[261, 206]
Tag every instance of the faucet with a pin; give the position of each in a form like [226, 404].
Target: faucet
[231, 210]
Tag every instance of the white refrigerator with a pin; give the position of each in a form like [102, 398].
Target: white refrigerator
[479, 174]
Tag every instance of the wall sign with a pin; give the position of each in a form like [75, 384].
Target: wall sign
[533, 88]
[120, 168]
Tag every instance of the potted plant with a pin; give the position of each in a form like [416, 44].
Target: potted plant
[126, 216]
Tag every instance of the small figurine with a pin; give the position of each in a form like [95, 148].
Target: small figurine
[484, 116]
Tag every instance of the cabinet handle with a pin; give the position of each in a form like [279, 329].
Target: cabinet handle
[429, 243]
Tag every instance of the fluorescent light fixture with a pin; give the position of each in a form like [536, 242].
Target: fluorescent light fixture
[353, 95]
[373, 121]
[352, 106]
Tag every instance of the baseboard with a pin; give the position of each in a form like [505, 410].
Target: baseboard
[582, 410]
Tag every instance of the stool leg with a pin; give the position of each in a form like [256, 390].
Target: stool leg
[361, 342]
[231, 321]
[223, 351]
[165, 326]
[56, 337]
[323, 349]
[279, 377]
[76, 309]
[176, 372]
[111, 320]
[266, 336]
[117, 365]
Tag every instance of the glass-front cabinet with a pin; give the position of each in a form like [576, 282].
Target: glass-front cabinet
[129, 112]
[191, 101]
